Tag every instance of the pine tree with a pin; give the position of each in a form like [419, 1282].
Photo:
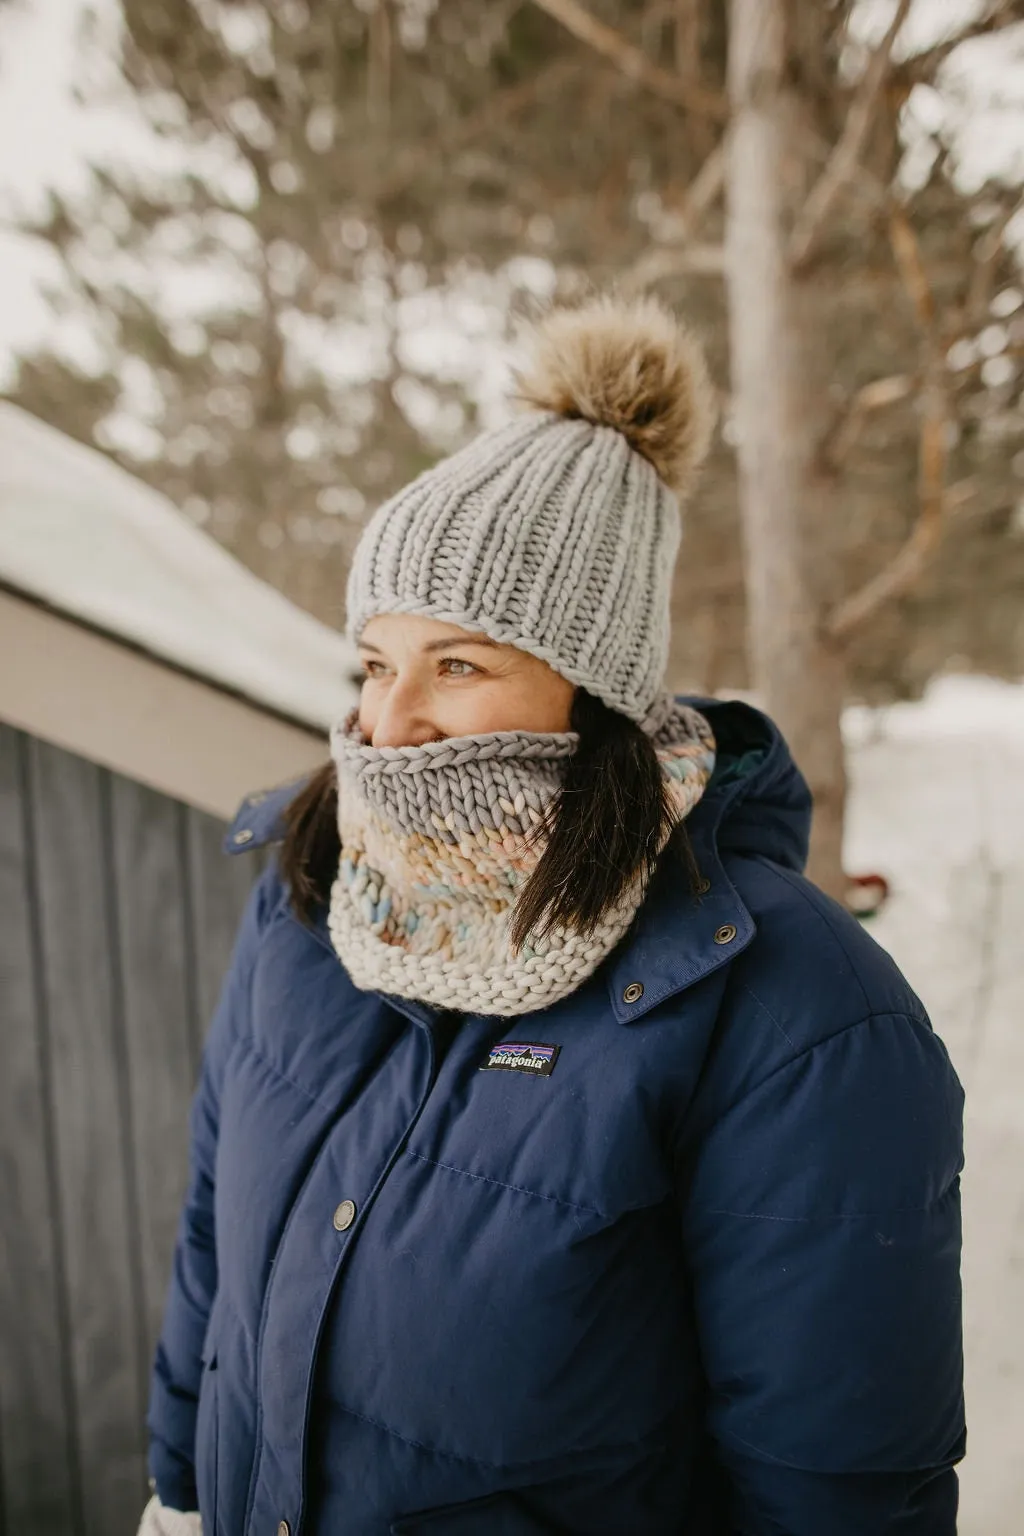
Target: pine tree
[349, 181]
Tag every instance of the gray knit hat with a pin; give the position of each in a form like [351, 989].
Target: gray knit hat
[558, 532]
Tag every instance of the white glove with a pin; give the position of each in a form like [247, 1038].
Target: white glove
[158, 1521]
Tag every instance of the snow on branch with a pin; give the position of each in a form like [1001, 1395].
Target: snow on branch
[922, 66]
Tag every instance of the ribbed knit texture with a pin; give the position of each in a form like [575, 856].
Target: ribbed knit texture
[434, 851]
[550, 534]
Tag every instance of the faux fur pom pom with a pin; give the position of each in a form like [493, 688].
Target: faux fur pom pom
[627, 364]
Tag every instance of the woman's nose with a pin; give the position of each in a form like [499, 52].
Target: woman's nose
[403, 718]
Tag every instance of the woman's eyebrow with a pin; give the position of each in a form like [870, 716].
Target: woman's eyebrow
[442, 645]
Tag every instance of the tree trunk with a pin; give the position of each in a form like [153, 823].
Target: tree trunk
[776, 368]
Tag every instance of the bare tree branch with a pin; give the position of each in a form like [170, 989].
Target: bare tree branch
[875, 396]
[986, 259]
[378, 65]
[843, 160]
[682, 256]
[960, 494]
[907, 252]
[933, 451]
[503, 104]
[900, 574]
[673, 261]
[705, 188]
[632, 61]
[687, 29]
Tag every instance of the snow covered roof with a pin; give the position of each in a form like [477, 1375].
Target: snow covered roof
[81, 535]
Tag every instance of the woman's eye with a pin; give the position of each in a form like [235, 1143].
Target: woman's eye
[370, 668]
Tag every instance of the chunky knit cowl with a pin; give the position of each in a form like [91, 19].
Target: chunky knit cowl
[435, 846]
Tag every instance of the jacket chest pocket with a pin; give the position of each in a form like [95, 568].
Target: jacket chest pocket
[208, 1430]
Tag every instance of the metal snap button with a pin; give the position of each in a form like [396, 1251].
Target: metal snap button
[284, 1529]
[634, 992]
[345, 1215]
[725, 934]
[705, 885]
[245, 836]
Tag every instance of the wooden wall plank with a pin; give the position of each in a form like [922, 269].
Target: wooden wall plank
[3, 1502]
[37, 1431]
[94, 1167]
[155, 961]
[120, 915]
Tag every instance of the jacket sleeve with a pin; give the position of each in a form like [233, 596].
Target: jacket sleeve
[821, 1217]
[176, 1371]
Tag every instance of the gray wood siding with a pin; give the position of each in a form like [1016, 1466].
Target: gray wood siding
[119, 911]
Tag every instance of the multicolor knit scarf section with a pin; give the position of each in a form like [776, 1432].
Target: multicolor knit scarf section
[436, 843]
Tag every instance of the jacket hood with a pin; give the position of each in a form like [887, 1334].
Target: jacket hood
[757, 801]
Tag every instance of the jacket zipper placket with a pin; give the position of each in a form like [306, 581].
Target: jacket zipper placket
[368, 1204]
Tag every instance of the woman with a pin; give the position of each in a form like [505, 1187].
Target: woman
[701, 1275]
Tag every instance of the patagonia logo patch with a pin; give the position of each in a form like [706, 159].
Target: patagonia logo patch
[522, 1056]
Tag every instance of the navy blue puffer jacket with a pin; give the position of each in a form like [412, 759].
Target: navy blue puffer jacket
[701, 1277]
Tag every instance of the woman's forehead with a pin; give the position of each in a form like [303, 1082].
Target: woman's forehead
[424, 633]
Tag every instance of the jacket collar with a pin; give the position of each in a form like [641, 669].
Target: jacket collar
[259, 819]
[673, 943]
[757, 803]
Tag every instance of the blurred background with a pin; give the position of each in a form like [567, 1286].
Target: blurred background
[266, 256]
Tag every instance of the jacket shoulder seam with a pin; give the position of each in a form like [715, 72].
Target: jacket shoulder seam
[252, 1049]
[876, 1016]
[822, 914]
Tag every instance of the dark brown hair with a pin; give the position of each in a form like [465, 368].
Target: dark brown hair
[603, 829]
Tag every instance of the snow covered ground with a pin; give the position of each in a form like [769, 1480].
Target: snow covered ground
[937, 806]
